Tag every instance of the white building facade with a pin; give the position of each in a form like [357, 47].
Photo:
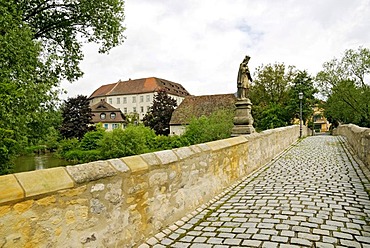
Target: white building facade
[136, 96]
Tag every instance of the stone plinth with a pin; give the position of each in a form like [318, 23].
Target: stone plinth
[243, 120]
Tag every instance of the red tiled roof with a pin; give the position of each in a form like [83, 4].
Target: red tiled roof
[104, 107]
[197, 106]
[138, 86]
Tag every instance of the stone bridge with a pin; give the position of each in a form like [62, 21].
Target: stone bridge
[262, 190]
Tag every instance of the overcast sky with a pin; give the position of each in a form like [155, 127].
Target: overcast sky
[200, 43]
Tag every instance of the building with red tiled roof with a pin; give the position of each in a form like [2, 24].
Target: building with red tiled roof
[197, 106]
[109, 116]
[136, 96]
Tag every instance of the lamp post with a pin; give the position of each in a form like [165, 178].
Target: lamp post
[300, 96]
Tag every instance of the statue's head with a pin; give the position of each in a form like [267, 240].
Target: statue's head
[247, 58]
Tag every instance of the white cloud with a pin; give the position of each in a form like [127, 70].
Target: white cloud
[201, 43]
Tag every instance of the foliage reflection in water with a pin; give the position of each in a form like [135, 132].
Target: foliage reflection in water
[39, 162]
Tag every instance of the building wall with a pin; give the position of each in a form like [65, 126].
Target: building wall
[177, 130]
[121, 202]
[136, 103]
[112, 126]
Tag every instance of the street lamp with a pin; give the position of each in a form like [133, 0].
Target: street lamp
[300, 96]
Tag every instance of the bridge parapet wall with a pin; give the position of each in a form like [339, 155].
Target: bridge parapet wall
[120, 202]
[358, 138]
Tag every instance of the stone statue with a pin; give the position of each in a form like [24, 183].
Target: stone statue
[244, 79]
[243, 120]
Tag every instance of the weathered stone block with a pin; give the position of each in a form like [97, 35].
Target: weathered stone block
[203, 147]
[236, 140]
[44, 181]
[183, 152]
[196, 148]
[166, 156]
[217, 145]
[150, 159]
[91, 171]
[10, 189]
[119, 165]
[135, 163]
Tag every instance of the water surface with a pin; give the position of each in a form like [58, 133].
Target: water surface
[38, 162]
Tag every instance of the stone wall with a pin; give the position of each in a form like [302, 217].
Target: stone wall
[120, 202]
[358, 138]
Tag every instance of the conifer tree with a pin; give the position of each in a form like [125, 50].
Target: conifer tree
[77, 117]
[159, 115]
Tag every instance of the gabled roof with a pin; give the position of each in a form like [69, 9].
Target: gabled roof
[197, 106]
[104, 107]
[139, 86]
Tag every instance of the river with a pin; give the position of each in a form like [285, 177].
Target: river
[38, 162]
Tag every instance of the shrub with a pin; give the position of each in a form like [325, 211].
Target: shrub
[91, 139]
[204, 129]
[35, 149]
[66, 145]
[80, 156]
[131, 141]
[167, 142]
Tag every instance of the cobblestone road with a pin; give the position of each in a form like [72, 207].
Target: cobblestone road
[314, 195]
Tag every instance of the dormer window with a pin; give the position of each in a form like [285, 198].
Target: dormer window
[113, 115]
[103, 116]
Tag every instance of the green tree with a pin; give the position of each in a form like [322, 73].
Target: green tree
[271, 82]
[159, 115]
[44, 125]
[270, 95]
[24, 81]
[40, 44]
[7, 143]
[344, 83]
[304, 83]
[77, 117]
[63, 26]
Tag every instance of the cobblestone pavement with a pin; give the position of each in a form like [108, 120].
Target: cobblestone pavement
[314, 195]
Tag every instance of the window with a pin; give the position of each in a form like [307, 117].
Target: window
[113, 115]
[134, 109]
[133, 99]
[125, 110]
[142, 109]
[147, 108]
[115, 125]
[110, 100]
[118, 100]
[141, 98]
[124, 99]
[106, 125]
[103, 116]
[148, 98]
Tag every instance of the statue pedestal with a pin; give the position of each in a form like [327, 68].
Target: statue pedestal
[243, 120]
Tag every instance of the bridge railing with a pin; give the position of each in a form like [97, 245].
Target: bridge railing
[120, 202]
[358, 138]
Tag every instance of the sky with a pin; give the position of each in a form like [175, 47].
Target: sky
[200, 43]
